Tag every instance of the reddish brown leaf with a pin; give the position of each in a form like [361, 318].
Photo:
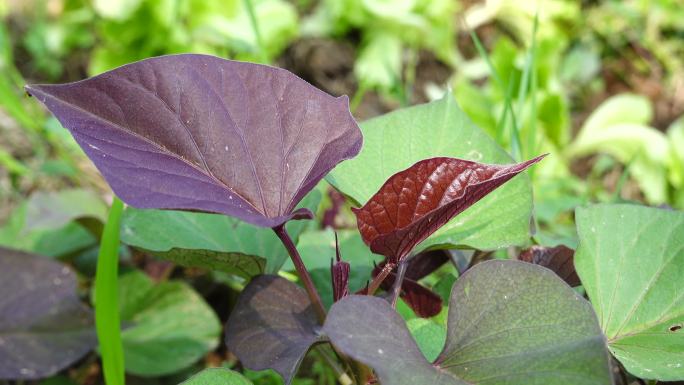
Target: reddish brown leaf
[416, 202]
[559, 259]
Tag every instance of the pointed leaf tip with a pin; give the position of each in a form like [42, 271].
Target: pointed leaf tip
[414, 203]
[200, 133]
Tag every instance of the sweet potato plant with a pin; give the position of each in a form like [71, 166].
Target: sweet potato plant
[185, 137]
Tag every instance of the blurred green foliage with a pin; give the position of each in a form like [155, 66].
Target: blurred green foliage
[583, 81]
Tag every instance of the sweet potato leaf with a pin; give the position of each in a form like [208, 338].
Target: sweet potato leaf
[416, 202]
[631, 260]
[395, 141]
[44, 327]
[196, 132]
[558, 259]
[272, 326]
[210, 241]
[509, 323]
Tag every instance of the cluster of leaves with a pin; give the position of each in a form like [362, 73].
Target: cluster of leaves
[240, 149]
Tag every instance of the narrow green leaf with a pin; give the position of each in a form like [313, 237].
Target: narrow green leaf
[106, 299]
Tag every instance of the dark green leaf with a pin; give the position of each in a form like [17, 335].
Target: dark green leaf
[509, 323]
[210, 241]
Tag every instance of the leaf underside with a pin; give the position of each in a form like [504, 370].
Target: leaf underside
[272, 326]
[44, 327]
[631, 262]
[196, 132]
[416, 202]
[509, 323]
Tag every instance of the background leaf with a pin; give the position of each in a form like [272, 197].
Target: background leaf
[631, 260]
[215, 376]
[162, 131]
[44, 327]
[399, 139]
[509, 323]
[53, 210]
[272, 326]
[211, 241]
[429, 336]
[171, 327]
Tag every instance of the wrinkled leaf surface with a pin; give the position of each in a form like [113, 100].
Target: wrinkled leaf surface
[416, 202]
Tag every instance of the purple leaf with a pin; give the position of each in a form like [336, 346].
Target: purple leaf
[44, 327]
[272, 326]
[416, 202]
[559, 259]
[196, 132]
[339, 271]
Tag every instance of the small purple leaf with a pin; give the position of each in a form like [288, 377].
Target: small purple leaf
[44, 327]
[339, 271]
[272, 326]
[559, 259]
[196, 132]
[416, 202]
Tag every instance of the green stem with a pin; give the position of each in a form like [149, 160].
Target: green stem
[107, 321]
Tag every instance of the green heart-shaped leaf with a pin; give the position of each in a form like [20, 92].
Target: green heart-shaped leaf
[631, 263]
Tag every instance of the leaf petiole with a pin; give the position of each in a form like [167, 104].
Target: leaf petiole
[301, 271]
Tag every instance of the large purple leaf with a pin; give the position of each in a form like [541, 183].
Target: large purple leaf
[44, 327]
[416, 202]
[196, 132]
[272, 326]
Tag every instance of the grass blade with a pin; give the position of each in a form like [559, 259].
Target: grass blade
[508, 107]
[106, 299]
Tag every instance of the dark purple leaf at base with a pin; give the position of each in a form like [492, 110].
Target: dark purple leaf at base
[44, 327]
[272, 326]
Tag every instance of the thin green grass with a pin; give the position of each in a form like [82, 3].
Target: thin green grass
[508, 105]
[106, 299]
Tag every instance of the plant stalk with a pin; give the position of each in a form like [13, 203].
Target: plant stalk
[301, 271]
[375, 284]
[396, 288]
